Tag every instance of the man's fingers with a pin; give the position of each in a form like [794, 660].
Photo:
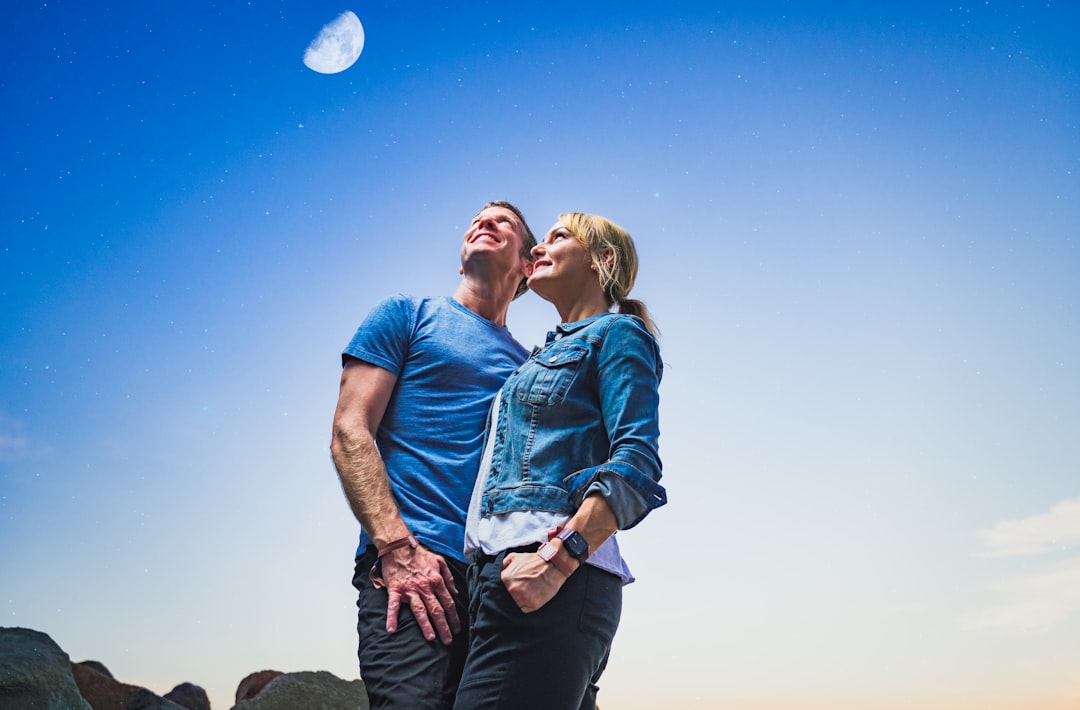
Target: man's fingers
[393, 604]
[446, 611]
[420, 613]
[445, 596]
[447, 575]
[437, 614]
[452, 616]
[426, 585]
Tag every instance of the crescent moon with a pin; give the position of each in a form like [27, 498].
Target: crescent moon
[337, 46]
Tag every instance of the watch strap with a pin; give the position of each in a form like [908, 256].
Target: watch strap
[550, 553]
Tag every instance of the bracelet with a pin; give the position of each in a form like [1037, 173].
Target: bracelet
[373, 574]
[409, 540]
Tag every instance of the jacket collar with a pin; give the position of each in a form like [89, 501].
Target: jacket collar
[568, 328]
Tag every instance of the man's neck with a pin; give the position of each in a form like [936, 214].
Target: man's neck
[485, 299]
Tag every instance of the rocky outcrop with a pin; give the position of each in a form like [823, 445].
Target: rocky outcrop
[35, 673]
[253, 684]
[104, 692]
[97, 666]
[311, 690]
[190, 696]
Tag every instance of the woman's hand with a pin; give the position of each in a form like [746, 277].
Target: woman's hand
[531, 581]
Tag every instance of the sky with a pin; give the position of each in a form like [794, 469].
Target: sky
[859, 232]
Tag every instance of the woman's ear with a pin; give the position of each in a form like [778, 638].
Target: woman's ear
[607, 256]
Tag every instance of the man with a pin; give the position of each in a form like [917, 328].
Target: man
[417, 380]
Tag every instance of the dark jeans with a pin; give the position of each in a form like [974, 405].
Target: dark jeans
[550, 659]
[404, 670]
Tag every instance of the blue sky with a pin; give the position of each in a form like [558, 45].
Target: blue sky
[858, 227]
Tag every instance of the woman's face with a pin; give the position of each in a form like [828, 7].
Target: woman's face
[562, 264]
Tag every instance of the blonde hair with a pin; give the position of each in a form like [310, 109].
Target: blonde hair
[614, 258]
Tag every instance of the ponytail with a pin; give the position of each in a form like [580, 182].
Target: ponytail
[634, 307]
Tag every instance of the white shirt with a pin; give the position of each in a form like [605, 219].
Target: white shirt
[492, 534]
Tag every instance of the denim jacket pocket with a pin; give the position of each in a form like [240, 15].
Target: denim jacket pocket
[546, 377]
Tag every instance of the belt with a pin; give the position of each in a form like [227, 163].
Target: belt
[482, 559]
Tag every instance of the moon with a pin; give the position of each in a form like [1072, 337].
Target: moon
[337, 46]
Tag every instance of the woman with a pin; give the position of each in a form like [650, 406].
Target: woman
[570, 457]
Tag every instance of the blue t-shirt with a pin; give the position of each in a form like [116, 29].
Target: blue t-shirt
[449, 363]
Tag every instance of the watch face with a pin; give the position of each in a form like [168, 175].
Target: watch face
[575, 544]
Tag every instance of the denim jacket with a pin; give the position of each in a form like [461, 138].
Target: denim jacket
[580, 415]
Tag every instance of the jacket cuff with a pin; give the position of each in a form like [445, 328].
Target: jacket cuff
[630, 494]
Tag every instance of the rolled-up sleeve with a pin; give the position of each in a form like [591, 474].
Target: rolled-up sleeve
[628, 373]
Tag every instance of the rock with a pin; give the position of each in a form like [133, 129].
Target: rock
[190, 696]
[97, 666]
[105, 693]
[311, 690]
[253, 683]
[35, 673]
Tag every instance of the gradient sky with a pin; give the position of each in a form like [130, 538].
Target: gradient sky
[858, 225]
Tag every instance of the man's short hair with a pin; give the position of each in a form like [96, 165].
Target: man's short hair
[528, 240]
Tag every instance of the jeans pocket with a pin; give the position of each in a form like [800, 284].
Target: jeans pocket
[602, 605]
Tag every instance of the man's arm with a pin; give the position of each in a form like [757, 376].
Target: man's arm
[417, 576]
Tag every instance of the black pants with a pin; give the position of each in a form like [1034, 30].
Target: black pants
[550, 659]
[404, 670]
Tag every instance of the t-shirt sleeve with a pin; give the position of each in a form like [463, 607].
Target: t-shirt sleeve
[383, 338]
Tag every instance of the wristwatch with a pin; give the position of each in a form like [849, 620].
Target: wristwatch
[575, 544]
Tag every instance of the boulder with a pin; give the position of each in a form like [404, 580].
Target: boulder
[35, 673]
[253, 684]
[311, 690]
[105, 693]
[190, 696]
[97, 666]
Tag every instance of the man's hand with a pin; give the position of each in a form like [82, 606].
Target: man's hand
[422, 580]
[418, 577]
[531, 581]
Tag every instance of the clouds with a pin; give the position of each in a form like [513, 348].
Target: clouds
[1049, 593]
[1056, 529]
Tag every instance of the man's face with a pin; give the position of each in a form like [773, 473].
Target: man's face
[495, 233]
